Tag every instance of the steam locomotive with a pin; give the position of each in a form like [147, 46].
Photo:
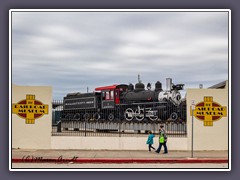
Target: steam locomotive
[126, 102]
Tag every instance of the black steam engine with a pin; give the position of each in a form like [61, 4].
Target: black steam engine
[126, 102]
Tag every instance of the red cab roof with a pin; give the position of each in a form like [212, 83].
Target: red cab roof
[106, 88]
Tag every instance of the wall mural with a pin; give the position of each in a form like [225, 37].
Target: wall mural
[30, 109]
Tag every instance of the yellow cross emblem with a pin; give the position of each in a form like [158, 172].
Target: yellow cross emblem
[209, 111]
[30, 109]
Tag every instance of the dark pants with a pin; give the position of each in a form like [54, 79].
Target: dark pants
[160, 146]
[150, 146]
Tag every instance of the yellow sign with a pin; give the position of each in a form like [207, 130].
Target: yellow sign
[209, 111]
[30, 109]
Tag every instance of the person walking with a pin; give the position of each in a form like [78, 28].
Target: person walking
[162, 140]
[150, 141]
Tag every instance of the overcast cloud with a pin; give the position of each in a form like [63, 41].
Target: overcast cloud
[71, 51]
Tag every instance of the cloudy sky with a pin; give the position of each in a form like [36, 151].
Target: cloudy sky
[71, 51]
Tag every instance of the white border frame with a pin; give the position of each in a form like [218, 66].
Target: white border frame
[119, 10]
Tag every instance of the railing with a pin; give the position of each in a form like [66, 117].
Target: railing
[121, 121]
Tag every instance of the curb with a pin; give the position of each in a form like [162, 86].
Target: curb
[118, 160]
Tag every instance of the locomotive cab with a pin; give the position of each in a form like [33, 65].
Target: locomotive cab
[110, 95]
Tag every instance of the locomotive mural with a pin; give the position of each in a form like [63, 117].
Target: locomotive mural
[127, 102]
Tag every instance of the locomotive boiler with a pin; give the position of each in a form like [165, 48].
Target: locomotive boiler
[139, 94]
[126, 102]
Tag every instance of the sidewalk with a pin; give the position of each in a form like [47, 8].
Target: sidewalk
[116, 156]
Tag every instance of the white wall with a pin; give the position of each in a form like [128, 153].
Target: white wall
[113, 143]
[208, 137]
[37, 135]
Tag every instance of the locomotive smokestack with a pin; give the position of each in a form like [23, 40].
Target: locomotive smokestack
[168, 84]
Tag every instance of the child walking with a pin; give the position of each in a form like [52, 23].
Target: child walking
[150, 141]
[162, 140]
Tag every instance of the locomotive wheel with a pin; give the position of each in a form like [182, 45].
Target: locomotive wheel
[153, 118]
[139, 114]
[96, 116]
[174, 116]
[110, 116]
[68, 117]
[86, 116]
[77, 116]
[128, 114]
[152, 114]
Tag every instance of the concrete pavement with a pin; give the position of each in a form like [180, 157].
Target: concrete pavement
[120, 166]
[116, 156]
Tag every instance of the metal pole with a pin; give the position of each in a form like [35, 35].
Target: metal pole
[85, 133]
[192, 132]
[119, 123]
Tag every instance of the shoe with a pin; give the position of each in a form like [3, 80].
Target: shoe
[156, 152]
[165, 152]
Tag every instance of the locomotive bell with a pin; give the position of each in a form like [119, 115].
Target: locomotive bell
[148, 86]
